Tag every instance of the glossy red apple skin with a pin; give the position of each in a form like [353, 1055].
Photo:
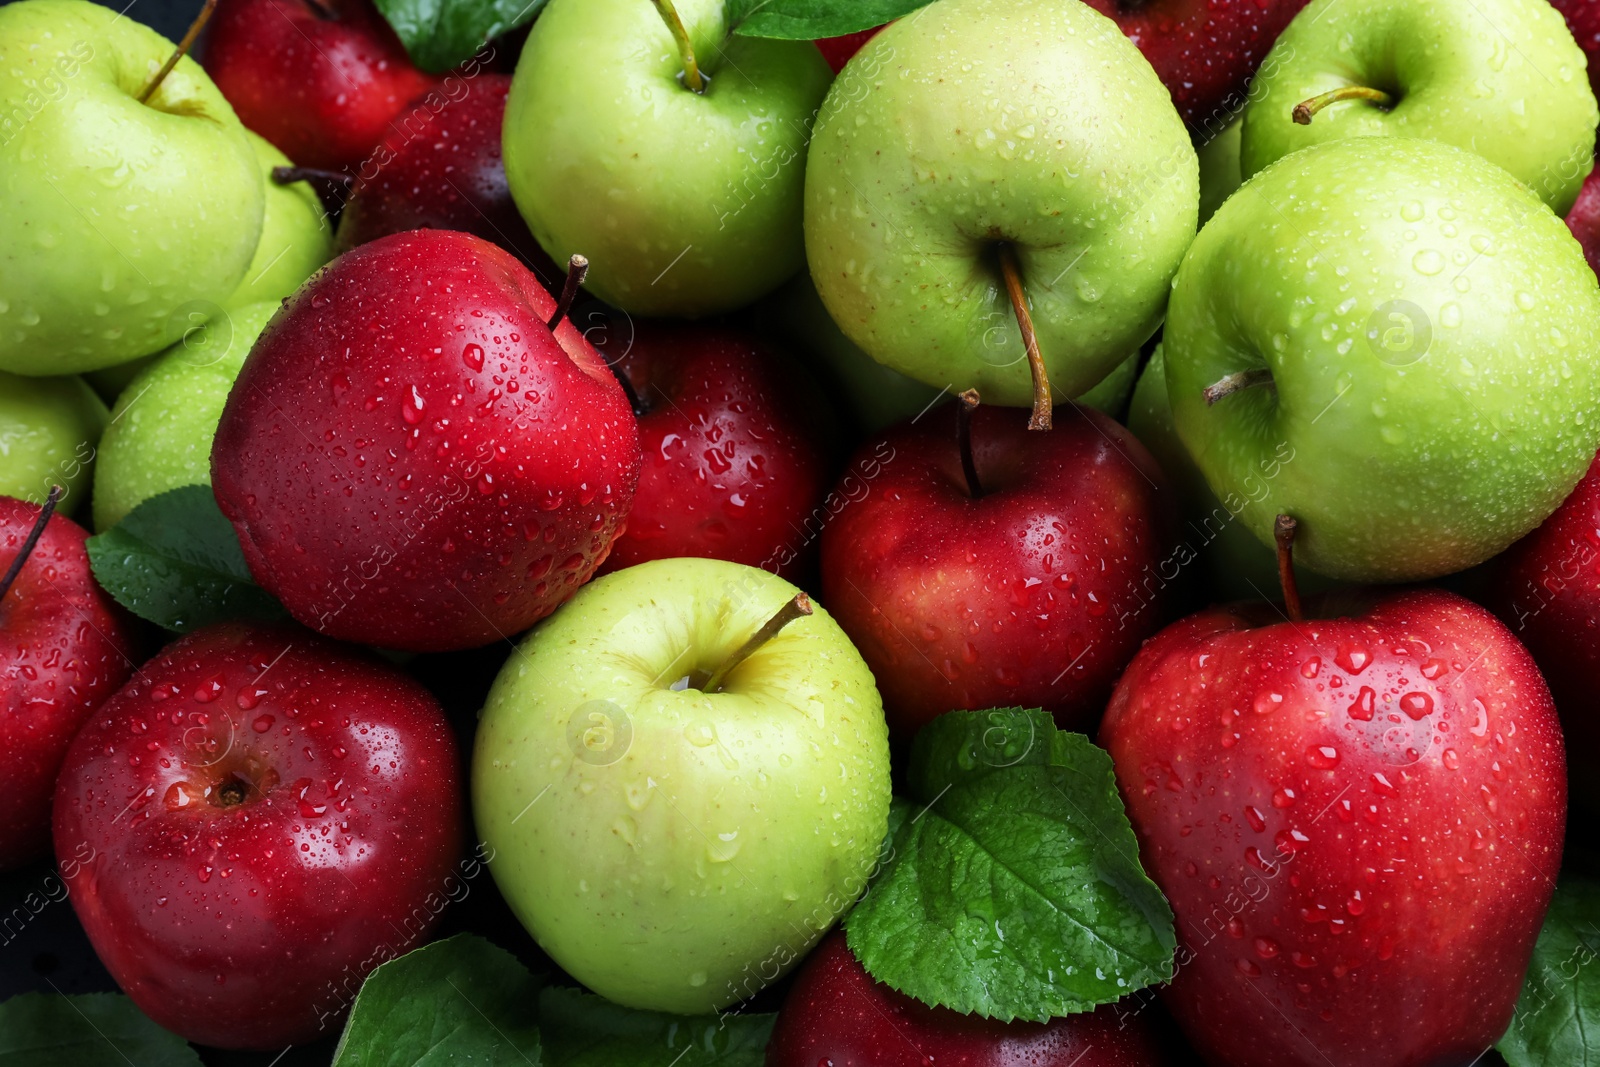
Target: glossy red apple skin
[251, 925]
[1348, 889]
[839, 50]
[412, 460]
[65, 647]
[736, 450]
[1036, 594]
[1583, 19]
[837, 1015]
[1584, 218]
[322, 89]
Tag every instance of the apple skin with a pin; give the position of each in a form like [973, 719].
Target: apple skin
[1584, 220]
[249, 924]
[916, 175]
[686, 204]
[1348, 889]
[296, 236]
[1220, 177]
[836, 1014]
[323, 90]
[165, 420]
[49, 428]
[616, 806]
[65, 647]
[1037, 594]
[1455, 68]
[840, 50]
[118, 215]
[1583, 19]
[412, 460]
[1423, 417]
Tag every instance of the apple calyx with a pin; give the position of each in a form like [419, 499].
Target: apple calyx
[31, 542]
[577, 270]
[182, 50]
[966, 404]
[693, 80]
[1284, 529]
[798, 607]
[1012, 273]
[1304, 110]
[1229, 384]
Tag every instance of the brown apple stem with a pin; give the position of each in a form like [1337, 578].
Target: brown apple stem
[1229, 384]
[794, 609]
[1304, 110]
[32, 539]
[182, 50]
[692, 77]
[966, 404]
[577, 270]
[289, 175]
[1283, 531]
[1041, 419]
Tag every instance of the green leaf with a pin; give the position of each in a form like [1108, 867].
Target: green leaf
[91, 1030]
[457, 1001]
[176, 561]
[1558, 1013]
[581, 1030]
[441, 34]
[811, 20]
[1015, 889]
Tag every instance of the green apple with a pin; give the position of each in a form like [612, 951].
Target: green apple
[121, 218]
[980, 129]
[163, 423]
[296, 238]
[671, 848]
[1403, 347]
[1220, 175]
[1502, 78]
[686, 203]
[49, 428]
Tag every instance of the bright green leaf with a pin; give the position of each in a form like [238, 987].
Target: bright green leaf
[1558, 1013]
[811, 20]
[441, 34]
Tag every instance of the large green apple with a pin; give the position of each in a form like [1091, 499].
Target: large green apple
[1502, 78]
[49, 428]
[1415, 342]
[120, 218]
[675, 849]
[163, 423]
[1220, 175]
[685, 203]
[979, 125]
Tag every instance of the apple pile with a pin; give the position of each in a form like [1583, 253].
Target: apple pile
[802, 532]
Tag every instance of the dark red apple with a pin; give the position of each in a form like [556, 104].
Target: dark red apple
[837, 1016]
[321, 79]
[1583, 19]
[838, 50]
[1357, 821]
[413, 460]
[1036, 591]
[270, 816]
[736, 464]
[1584, 218]
[65, 647]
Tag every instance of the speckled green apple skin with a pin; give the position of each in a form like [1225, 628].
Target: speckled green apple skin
[118, 215]
[1502, 78]
[685, 204]
[1401, 460]
[163, 423]
[49, 428]
[1219, 168]
[296, 238]
[980, 121]
[734, 828]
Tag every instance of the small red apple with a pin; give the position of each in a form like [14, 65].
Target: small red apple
[269, 816]
[1035, 589]
[1357, 821]
[1584, 218]
[413, 460]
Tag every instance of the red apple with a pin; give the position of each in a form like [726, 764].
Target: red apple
[1036, 591]
[1584, 218]
[836, 1015]
[321, 79]
[65, 647]
[270, 817]
[1357, 821]
[838, 50]
[1583, 19]
[736, 464]
[413, 460]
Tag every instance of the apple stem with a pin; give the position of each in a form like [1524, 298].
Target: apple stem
[1304, 110]
[577, 270]
[1229, 384]
[1284, 529]
[33, 539]
[1042, 415]
[794, 609]
[290, 175]
[692, 77]
[182, 50]
[627, 387]
[967, 403]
